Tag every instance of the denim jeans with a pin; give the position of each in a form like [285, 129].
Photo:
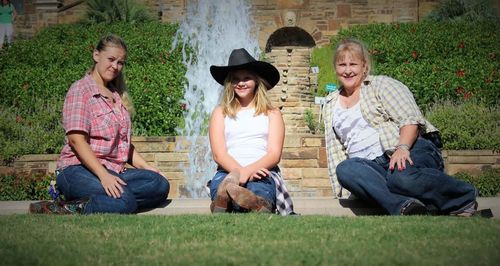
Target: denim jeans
[144, 189]
[425, 181]
[265, 188]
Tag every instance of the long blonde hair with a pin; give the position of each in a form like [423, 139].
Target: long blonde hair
[118, 83]
[356, 48]
[230, 103]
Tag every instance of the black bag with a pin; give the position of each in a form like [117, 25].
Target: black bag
[434, 137]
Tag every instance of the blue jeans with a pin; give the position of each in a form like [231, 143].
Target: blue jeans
[425, 181]
[144, 189]
[265, 188]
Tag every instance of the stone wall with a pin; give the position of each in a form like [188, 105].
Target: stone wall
[320, 18]
[303, 164]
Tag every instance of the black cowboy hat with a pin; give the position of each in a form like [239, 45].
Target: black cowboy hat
[241, 59]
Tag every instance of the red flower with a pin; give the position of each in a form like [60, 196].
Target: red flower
[467, 95]
[183, 106]
[461, 45]
[460, 90]
[460, 73]
[19, 119]
[414, 54]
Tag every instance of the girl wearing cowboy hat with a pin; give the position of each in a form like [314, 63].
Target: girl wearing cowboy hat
[246, 137]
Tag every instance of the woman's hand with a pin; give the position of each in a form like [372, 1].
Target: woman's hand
[399, 158]
[112, 185]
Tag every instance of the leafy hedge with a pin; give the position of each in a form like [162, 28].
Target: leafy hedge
[35, 75]
[437, 60]
[488, 182]
[469, 125]
[20, 187]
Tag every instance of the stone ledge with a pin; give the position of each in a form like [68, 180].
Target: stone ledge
[305, 206]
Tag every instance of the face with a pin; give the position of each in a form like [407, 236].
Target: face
[350, 70]
[109, 62]
[244, 82]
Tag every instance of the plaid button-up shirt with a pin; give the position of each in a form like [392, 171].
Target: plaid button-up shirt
[387, 105]
[109, 130]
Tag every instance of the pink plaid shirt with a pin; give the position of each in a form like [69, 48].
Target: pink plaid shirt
[86, 109]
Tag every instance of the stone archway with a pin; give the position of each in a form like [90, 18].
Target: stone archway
[289, 49]
[290, 36]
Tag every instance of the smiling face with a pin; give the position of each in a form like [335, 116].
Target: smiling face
[350, 69]
[244, 83]
[109, 62]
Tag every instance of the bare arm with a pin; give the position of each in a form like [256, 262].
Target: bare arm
[14, 14]
[111, 183]
[218, 142]
[407, 136]
[137, 161]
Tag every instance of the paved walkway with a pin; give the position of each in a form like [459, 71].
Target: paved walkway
[304, 206]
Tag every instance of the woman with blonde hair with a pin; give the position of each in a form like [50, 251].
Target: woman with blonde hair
[246, 138]
[381, 148]
[91, 172]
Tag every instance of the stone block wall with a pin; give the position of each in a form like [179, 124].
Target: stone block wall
[303, 163]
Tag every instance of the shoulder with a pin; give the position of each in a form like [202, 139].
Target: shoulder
[275, 112]
[84, 86]
[218, 112]
[383, 81]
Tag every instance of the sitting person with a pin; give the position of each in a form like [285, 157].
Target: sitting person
[378, 145]
[246, 138]
[91, 171]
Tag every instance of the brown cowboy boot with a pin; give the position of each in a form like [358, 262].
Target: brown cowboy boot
[247, 199]
[222, 200]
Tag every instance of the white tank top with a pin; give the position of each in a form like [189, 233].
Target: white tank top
[246, 136]
[359, 137]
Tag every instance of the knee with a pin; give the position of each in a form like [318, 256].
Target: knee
[346, 170]
[162, 185]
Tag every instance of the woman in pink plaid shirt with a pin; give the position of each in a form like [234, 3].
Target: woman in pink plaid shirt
[91, 171]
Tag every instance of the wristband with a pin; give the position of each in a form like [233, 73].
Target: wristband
[403, 147]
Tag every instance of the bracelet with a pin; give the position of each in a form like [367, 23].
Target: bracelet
[403, 147]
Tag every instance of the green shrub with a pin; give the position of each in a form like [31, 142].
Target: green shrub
[311, 122]
[456, 61]
[463, 10]
[322, 58]
[469, 125]
[111, 11]
[488, 182]
[19, 187]
[35, 75]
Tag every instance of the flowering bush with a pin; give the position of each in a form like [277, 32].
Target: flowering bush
[35, 75]
[456, 61]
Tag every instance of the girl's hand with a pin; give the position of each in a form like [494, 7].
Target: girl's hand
[259, 174]
[399, 158]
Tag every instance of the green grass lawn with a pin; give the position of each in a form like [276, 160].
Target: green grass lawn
[247, 239]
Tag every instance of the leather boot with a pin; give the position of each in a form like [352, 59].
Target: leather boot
[222, 200]
[247, 199]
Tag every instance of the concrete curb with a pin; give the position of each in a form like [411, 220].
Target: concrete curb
[304, 206]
